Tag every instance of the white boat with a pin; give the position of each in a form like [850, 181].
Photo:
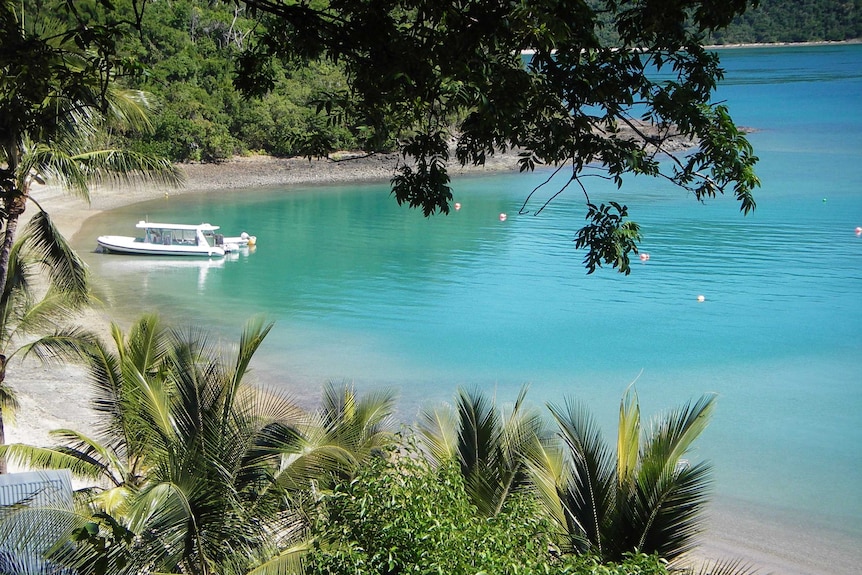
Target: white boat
[160, 239]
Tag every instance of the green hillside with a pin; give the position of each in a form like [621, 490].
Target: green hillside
[189, 50]
[796, 21]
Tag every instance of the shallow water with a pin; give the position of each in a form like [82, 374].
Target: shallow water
[363, 290]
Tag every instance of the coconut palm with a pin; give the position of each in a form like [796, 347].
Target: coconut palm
[209, 473]
[187, 454]
[491, 447]
[27, 309]
[359, 425]
[58, 102]
[644, 497]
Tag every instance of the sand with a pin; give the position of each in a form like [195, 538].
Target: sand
[54, 397]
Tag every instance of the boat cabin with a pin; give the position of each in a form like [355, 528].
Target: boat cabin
[179, 234]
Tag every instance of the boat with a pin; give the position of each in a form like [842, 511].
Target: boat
[160, 239]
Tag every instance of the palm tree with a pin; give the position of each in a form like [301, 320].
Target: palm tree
[642, 498]
[26, 309]
[58, 103]
[359, 426]
[492, 448]
[209, 473]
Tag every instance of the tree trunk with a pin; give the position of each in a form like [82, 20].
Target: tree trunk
[2, 426]
[14, 202]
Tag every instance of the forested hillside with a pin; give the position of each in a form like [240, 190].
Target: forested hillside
[189, 51]
[796, 21]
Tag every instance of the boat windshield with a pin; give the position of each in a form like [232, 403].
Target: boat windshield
[171, 237]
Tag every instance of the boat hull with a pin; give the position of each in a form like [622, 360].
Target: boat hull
[132, 246]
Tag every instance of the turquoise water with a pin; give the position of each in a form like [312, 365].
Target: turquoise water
[365, 291]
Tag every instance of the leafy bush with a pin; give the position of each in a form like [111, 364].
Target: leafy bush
[399, 515]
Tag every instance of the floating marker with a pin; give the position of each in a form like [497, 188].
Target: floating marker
[701, 299]
[457, 206]
[502, 217]
[644, 257]
[859, 231]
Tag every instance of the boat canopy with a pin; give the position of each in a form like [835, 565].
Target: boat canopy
[202, 227]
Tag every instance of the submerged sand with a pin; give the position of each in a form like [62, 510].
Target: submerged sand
[57, 396]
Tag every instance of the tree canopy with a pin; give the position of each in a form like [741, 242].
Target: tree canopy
[430, 73]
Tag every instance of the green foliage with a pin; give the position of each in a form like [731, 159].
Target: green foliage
[189, 49]
[401, 515]
[610, 235]
[428, 74]
[794, 21]
[491, 447]
[109, 542]
[208, 473]
[642, 497]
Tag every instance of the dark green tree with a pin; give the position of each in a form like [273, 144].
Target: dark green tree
[427, 72]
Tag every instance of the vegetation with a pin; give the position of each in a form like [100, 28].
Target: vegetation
[208, 473]
[26, 308]
[794, 21]
[192, 470]
[640, 496]
[492, 450]
[58, 105]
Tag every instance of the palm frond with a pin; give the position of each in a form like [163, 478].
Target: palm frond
[66, 344]
[359, 424]
[66, 271]
[667, 516]
[129, 109]
[163, 513]
[715, 567]
[8, 402]
[146, 344]
[439, 430]
[479, 428]
[103, 459]
[671, 436]
[252, 337]
[50, 458]
[123, 167]
[289, 561]
[549, 474]
[589, 497]
[18, 278]
[628, 437]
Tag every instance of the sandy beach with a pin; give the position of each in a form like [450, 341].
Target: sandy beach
[54, 396]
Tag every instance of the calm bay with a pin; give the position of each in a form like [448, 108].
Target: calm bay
[364, 291]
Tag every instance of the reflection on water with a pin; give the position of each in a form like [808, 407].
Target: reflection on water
[148, 277]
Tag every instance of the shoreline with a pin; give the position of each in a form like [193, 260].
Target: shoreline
[52, 396]
[784, 44]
